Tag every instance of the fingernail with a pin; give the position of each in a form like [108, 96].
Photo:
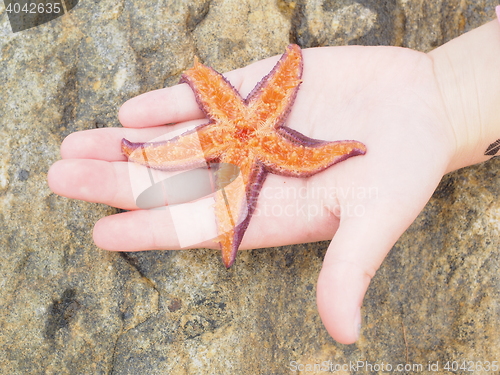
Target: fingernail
[357, 324]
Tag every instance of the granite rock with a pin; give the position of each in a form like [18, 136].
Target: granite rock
[67, 307]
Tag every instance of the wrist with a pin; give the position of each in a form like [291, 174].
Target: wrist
[468, 76]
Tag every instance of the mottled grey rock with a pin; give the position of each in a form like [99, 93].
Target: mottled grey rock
[67, 307]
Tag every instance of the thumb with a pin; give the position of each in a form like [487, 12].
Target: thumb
[354, 255]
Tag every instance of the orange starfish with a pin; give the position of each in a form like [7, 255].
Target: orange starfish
[248, 133]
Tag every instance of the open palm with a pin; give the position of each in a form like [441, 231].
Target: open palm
[385, 97]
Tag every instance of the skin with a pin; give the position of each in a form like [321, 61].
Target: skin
[412, 110]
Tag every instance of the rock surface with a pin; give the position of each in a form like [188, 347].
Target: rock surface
[67, 307]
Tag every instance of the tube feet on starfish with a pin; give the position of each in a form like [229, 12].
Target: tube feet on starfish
[248, 133]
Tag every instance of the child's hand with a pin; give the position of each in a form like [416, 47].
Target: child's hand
[386, 97]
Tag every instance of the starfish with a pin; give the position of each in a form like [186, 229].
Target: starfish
[247, 133]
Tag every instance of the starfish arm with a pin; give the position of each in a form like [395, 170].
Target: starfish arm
[298, 138]
[235, 204]
[271, 100]
[192, 149]
[215, 96]
[300, 156]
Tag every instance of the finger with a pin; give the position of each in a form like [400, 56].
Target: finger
[192, 225]
[119, 184]
[355, 253]
[93, 181]
[173, 228]
[105, 144]
[125, 185]
[178, 104]
[137, 231]
[101, 144]
[160, 107]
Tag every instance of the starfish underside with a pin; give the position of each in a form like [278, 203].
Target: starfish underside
[248, 133]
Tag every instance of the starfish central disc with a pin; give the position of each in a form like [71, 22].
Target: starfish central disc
[247, 133]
